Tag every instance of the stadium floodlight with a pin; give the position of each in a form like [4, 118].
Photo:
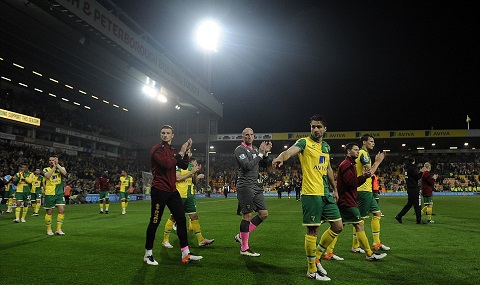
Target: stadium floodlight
[162, 98]
[152, 92]
[207, 35]
[149, 91]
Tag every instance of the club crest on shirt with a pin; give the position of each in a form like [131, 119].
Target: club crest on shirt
[242, 156]
[366, 159]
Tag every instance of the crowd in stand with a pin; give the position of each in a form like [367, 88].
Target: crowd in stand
[456, 173]
[83, 170]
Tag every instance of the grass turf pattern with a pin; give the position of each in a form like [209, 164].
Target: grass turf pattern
[109, 248]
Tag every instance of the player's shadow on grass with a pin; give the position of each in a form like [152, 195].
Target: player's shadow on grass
[263, 271]
[99, 217]
[256, 266]
[20, 243]
[139, 278]
[84, 217]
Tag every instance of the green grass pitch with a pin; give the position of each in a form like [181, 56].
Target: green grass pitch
[109, 249]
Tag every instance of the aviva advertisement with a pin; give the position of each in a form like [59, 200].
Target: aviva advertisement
[378, 134]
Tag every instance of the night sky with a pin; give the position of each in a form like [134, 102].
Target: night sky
[364, 65]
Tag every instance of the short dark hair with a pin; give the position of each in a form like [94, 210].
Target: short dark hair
[319, 118]
[350, 145]
[365, 138]
[167, 127]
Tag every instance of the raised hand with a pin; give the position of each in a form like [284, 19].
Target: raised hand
[379, 157]
[186, 146]
[268, 146]
[262, 147]
[56, 163]
[277, 162]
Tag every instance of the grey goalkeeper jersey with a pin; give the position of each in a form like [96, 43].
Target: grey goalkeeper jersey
[248, 163]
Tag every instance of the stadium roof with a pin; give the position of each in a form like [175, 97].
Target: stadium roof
[46, 46]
